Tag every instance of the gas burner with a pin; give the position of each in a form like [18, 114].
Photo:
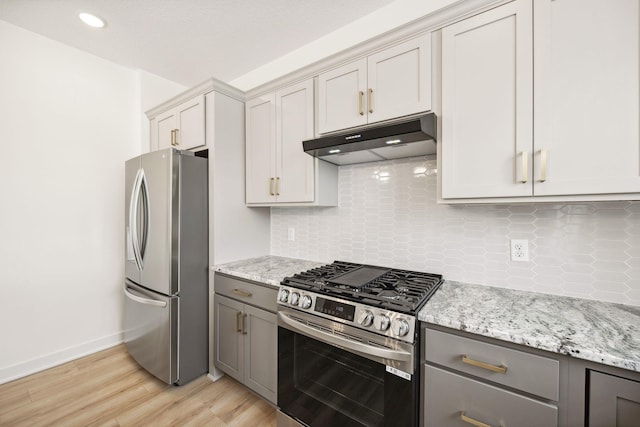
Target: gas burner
[400, 290]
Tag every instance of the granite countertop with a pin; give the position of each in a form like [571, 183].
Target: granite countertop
[268, 269]
[591, 330]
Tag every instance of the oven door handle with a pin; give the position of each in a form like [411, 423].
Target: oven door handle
[364, 349]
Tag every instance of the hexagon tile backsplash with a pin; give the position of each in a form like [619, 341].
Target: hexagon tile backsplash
[388, 216]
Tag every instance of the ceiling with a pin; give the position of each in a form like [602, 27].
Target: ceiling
[189, 41]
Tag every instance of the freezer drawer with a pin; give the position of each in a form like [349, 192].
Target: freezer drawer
[150, 331]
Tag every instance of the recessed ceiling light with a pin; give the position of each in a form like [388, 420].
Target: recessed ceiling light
[91, 20]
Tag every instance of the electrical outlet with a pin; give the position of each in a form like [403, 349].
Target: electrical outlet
[291, 233]
[519, 250]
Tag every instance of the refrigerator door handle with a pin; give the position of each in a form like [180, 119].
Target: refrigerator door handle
[142, 300]
[133, 218]
[142, 244]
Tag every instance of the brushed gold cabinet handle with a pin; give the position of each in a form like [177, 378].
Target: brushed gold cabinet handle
[360, 96]
[271, 187]
[523, 166]
[242, 293]
[472, 421]
[244, 319]
[238, 315]
[174, 137]
[277, 186]
[543, 165]
[487, 366]
[370, 101]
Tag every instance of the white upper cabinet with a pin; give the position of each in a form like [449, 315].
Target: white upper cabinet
[182, 127]
[260, 116]
[278, 170]
[587, 97]
[541, 101]
[487, 104]
[392, 83]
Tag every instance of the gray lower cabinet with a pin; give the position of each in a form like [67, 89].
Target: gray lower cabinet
[613, 401]
[455, 400]
[246, 335]
[477, 382]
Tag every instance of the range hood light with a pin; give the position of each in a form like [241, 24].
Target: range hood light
[334, 151]
[393, 141]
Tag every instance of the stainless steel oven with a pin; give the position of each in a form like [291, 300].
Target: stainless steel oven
[330, 374]
[348, 346]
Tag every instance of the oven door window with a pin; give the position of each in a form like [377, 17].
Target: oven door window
[322, 385]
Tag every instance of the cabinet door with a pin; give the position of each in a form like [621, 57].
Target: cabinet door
[587, 99]
[341, 97]
[453, 400]
[295, 168]
[229, 344]
[613, 401]
[399, 80]
[260, 153]
[191, 123]
[487, 104]
[165, 124]
[261, 352]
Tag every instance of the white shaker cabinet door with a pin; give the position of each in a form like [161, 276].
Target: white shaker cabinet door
[587, 100]
[165, 124]
[191, 124]
[399, 80]
[260, 145]
[341, 97]
[487, 112]
[294, 120]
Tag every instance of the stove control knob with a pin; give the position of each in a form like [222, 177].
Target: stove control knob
[295, 297]
[283, 295]
[381, 322]
[399, 327]
[305, 301]
[365, 318]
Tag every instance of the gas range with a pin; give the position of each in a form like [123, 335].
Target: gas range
[381, 300]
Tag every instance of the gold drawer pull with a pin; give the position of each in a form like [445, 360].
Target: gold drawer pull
[370, 101]
[242, 293]
[244, 319]
[238, 316]
[271, 181]
[360, 96]
[471, 421]
[523, 167]
[543, 165]
[499, 369]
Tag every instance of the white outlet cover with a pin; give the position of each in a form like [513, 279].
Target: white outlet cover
[519, 250]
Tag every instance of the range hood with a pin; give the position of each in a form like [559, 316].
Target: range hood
[410, 138]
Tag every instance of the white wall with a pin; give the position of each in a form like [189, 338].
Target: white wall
[388, 216]
[69, 120]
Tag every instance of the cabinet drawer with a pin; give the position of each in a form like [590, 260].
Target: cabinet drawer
[448, 397]
[247, 292]
[527, 372]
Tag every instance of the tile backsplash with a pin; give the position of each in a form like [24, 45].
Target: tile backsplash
[388, 216]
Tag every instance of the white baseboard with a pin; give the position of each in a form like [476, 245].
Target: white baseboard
[57, 358]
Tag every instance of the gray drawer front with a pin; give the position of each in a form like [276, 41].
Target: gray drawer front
[247, 292]
[448, 395]
[527, 372]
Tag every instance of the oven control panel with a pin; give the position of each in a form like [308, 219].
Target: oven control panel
[385, 322]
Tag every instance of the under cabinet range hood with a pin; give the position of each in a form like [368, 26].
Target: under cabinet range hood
[410, 138]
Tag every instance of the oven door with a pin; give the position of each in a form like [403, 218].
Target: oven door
[331, 374]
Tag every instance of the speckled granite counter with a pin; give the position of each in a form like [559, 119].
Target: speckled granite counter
[267, 269]
[591, 330]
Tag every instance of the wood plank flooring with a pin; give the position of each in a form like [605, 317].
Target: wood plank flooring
[109, 388]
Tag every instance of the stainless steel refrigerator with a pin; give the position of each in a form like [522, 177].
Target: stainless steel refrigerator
[166, 253]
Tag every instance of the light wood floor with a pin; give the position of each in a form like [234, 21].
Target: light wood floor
[110, 389]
